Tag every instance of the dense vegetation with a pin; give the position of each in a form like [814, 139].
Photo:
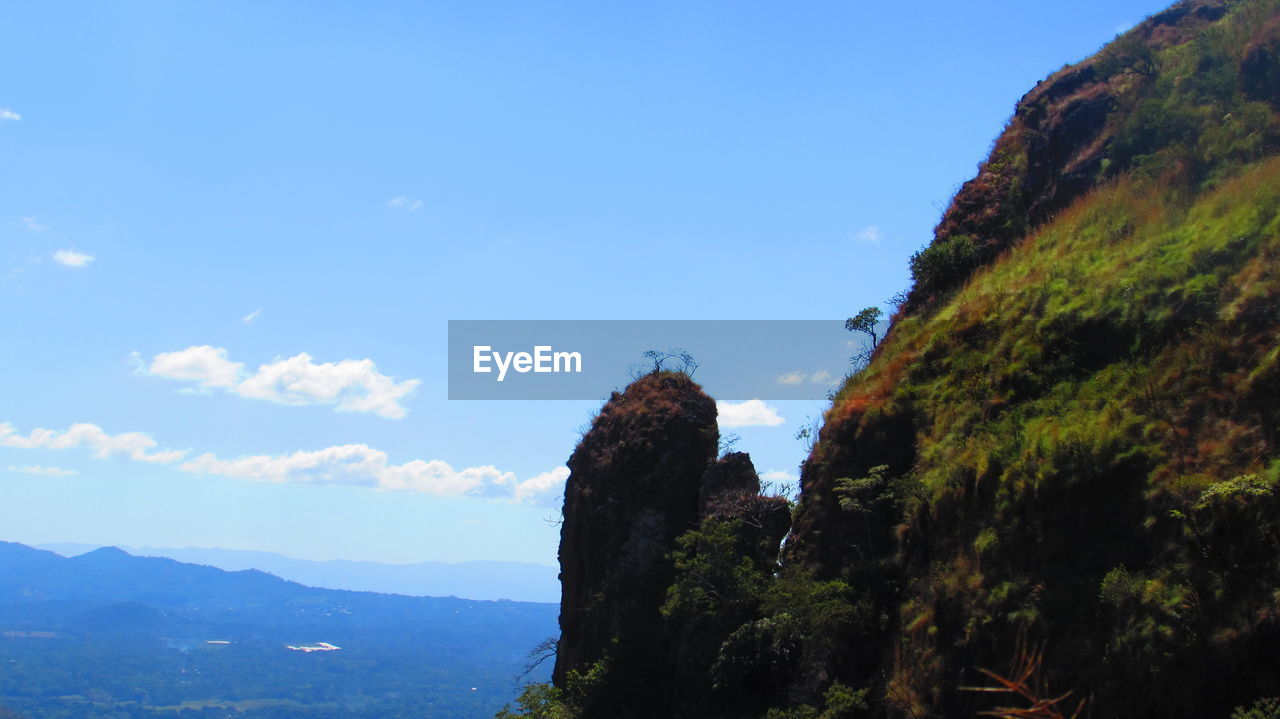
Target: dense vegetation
[107, 635]
[1059, 469]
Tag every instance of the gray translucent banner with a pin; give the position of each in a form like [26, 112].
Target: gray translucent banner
[587, 359]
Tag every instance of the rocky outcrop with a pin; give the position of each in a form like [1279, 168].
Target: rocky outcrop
[644, 474]
[635, 484]
[731, 491]
[730, 476]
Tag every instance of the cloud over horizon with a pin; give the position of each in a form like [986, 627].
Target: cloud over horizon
[350, 385]
[349, 464]
[362, 465]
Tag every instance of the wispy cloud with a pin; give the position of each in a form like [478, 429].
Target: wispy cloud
[360, 464]
[408, 204]
[751, 413]
[71, 258]
[30, 223]
[130, 445]
[869, 235]
[777, 475]
[138, 364]
[350, 464]
[822, 376]
[249, 318]
[350, 385]
[42, 471]
[9, 115]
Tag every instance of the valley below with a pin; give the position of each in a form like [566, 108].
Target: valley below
[107, 634]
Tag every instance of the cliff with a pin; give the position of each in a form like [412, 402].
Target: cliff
[634, 486]
[643, 480]
[1075, 410]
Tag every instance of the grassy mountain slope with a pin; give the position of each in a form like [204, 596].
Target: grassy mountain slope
[1070, 433]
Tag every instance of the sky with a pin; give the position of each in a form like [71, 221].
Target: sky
[232, 235]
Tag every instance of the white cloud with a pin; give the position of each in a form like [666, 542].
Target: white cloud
[540, 488]
[42, 471]
[249, 318]
[360, 464]
[408, 204]
[439, 477]
[351, 464]
[347, 464]
[791, 378]
[71, 258]
[204, 364]
[354, 385]
[351, 385]
[751, 413]
[7, 114]
[777, 475]
[130, 445]
[31, 224]
[869, 235]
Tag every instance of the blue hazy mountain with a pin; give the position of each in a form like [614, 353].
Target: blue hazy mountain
[108, 634]
[518, 581]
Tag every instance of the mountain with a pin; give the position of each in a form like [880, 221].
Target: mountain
[108, 634]
[1056, 485]
[517, 581]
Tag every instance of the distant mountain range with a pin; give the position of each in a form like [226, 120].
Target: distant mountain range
[107, 634]
[517, 581]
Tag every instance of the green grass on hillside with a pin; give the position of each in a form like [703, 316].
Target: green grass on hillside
[1083, 407]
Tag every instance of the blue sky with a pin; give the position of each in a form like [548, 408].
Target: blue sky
[232, 234]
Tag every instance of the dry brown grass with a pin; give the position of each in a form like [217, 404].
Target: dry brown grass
[1026, 682]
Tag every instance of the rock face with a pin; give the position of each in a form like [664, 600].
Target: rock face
[645, 474]
[635, 485]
